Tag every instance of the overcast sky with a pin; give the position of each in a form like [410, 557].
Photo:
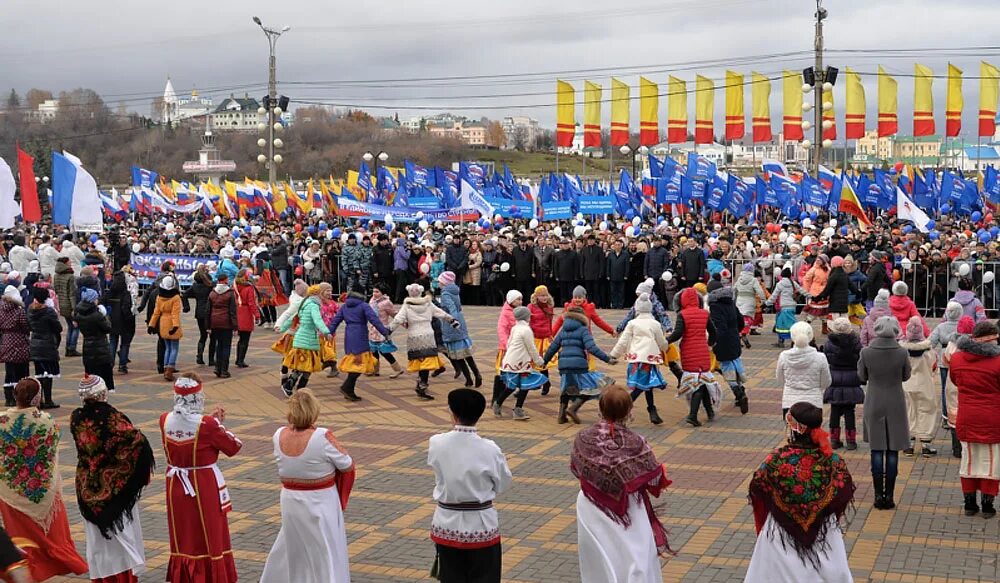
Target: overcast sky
[125, 49]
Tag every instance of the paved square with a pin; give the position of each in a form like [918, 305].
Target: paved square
[705, 511]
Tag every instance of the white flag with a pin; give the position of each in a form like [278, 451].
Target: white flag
[906, 210]
[86, 213]
[8, 206]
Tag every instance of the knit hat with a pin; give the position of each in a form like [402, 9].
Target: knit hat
[10, 292]
[965, 325]
[841, 326]
[39, 294]
[168, 283]
[521, 313]
[514, 295]
[837, 261]
[802, 334]
[887, 327]
[713, 285]
[579, 292]
[701, 288]
[446, 278]
[89, 295]
[33, 266]
[414, 290]
[953, 311]
[643, 305]
[882, 298]
[646, 287]
[92, 388]
[915, 330]
[227, 252]
[748, 267]
[824, 258]
[900, 288]
[5, 267]
[541, 290]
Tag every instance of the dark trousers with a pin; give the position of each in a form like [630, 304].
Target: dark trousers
[161, 348]
[103, 369]
[386, 355]
[566, 291]
[203, 335]
[526, 287]
[469, 565]
[617, 294]
[242, 344]
[402, 280]
[699, 398]
[268, 314]
[13, 372]
[845, 411]
[121, 345]
[885, 462]
[72, 334]
[650, 403]
[594, 292]
[223, 340]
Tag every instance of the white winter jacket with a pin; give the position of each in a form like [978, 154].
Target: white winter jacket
[294, 301]
[641, 341]
[521, 351]
[20, 256]
[804, 374]
[47, 257]
[75, 256]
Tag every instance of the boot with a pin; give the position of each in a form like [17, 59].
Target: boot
[333, 372]
[878, 483]
[692, 418]
[852, 439]
[746, 341]
[378, 367]
[422, 392]
[926, 450]
[562, 413]
[835, 442]
[168, 373]
[47, 402]
[200, 359]
[971, 508]
[476, 377]
[122, 369]
[707, 402]
[225, 371]
[890, 490]
[520, 415]
[956, 445]
[349, 393]
[824, 328]
[654, 417]
[572, 410]
[438, 372]
[742, 401]
[498, 389]
[211, 357]
[397, 370]
[546, 387]
[497, 409]
[8, 396]
[988, 510]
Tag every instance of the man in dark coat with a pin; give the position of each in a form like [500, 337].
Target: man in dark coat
[456, 258]
[877, 278]
[525, 267]
[617, 270]
[279, 260]
[382, 262]
[727, 349]
[565, 270]
[119, 305]
[543, 262]
[838, 289]
[693, 264]
[592, 270]
[657, 261]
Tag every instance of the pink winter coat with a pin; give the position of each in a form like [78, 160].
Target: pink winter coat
[504, 325]
[903, 309]
[868, 326]
[386, 311]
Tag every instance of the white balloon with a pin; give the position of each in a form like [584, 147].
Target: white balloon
[425, 267]
[906, 263]
[169, 227]
[243, 222]
[636, 221]
[557, 231]
[309, 265]
[319, 212]
[603, 226]
[783, 236]
[439, 223]
[216, 219]
[420, 215]
[505, 267]
[578, 231]
[136, 247]
[255, 230]
[388, 218]
[630, 231]
[667, 276]
[533, 224]
[677, 221]
[806, 241]
[806, 223]
[833, 222]
[988, 277]
[223, 231]
[343, 238]
[423, 224]
[579, 216]
[964, 270]
[329, 234]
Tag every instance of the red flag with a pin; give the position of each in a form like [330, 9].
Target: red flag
[31, 211]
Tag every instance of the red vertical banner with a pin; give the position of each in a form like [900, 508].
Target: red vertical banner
[31, 211]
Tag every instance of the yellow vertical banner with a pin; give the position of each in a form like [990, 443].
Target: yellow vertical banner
[792, 98]
[704, 110]
[677, 110]
[953, 102]
[760, 115]
[888, 122]
[735, 114]
[620, 108]
[854, 106]
[591, 115]
[565, 114]
[989, 93]
[649, 112]
[923, 101]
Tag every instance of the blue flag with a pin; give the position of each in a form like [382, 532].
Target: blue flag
[991, 185]
[717, 196]
[740, 196]
[417, 175]
[144, 178]
[700, 167]
[810, 192]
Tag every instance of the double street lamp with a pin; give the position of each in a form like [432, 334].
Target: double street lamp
[271, 107]
[641, 151]
[374, 159]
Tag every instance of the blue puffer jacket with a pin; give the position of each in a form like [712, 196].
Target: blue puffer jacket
[573, 342]
[452, 303]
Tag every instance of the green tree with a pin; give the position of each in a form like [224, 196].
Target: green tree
[13, 100]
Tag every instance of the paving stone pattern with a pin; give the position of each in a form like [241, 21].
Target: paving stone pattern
[710, 525]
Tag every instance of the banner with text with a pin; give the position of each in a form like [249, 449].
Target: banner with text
[146, 266]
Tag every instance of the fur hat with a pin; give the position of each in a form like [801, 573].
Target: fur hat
[915, 330]
[882, 298]
[643, 305]
[514, 295]
[841, 326]
[887, 327]
[579, 292]
[521, 313]
[10, 292]
[900, 288]
[414, 290]
[446, 278]
[837, 261]
[802, 334]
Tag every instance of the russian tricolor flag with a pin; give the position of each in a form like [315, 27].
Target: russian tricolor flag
[75, 198]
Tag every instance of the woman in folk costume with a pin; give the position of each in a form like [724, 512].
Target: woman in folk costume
[456, 340]
[299, 292]
[660, 314]
[316, 475]
[272, 294]
[196, 493]
[421, 350]
[304, 357]
[518, 366]
[855, 300]
[31, 502]
[382, 346]
[727, 349]
[799, 496]
[814, 282]
[783, 300]
[642, 345]
[542, 310]
[358, 358]
[922, 401]
[505, 324]
[695, 333]
[975, 369]
[966, 324]
[247, 311]
[619, 536]
[329, 308]
[575, 345]
[114, 464]
[14, 343]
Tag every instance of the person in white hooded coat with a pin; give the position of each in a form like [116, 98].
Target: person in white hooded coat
[802, 371]
[69, 249]
[643, 345]
[746, 292]
[922, 404]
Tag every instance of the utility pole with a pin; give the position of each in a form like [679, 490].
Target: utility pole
[820, 79]
[272, 94]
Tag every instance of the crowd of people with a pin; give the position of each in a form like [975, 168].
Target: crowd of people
[853, 304]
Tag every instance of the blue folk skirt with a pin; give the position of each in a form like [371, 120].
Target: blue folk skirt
[644, 376]
[523, 381]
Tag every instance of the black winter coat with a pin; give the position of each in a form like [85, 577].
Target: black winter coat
[119, 305]
[524, 264]
[94, 327]
[199, 293]
[46, 333]
[121, 256]
[728, 322]
[618, 266]
[279, 255]
[694, 265]
[592, 263]
[456, 260]
[382, 262]
[842, 352]
[657, 259]
[566, 265]
[877, 279]
[838, 289]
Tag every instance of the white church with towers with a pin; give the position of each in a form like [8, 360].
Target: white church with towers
[174, 109]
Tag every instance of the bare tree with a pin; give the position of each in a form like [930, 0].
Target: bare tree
[519, 139]
[495, 136]
[35, 97]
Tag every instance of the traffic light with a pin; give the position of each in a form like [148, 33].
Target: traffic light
[283, 103]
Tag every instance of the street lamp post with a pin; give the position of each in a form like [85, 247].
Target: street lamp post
[272, 93]
[641, 151]
[43, 197]
[374, 159]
